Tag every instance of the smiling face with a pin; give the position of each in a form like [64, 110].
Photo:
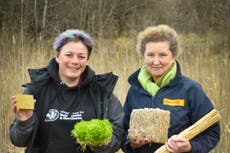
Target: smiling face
[158, 58]
[72, 60]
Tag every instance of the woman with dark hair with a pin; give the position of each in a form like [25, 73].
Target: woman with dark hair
[159, 83]
[67, 91]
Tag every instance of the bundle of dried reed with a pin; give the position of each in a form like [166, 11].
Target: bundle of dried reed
[151, 123]
[204, 123]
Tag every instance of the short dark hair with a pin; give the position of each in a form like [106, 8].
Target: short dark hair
[73, 35]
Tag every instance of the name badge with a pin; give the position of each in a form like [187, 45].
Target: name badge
[173, 102]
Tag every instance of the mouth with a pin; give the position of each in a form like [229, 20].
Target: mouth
[156, 68]
[73, 68]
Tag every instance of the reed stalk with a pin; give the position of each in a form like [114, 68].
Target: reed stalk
[204, 123]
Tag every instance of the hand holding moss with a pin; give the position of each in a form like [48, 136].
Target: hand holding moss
[93, 133]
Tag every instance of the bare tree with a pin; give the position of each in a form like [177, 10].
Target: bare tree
[44, 14]
[35, 18]
[22, 33]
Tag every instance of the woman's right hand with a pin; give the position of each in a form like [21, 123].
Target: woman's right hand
[139, 141]
[21, 114]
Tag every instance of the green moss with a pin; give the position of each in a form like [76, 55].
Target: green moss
[93, 133]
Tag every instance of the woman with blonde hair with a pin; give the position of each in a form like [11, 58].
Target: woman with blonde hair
[159, 83]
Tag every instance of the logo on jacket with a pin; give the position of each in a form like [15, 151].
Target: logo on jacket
[52, 115]
[173, 102]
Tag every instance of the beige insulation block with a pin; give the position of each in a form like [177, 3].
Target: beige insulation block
[24, 101]
[151, 123]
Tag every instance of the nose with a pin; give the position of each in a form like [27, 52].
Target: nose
[75, 59]
[156, 60]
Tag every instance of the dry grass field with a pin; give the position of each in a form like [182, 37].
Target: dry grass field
[205, 59]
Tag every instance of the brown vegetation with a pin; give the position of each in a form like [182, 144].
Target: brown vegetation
[27, 28]
[118, 55]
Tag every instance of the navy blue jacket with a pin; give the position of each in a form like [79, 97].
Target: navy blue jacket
[196, 105]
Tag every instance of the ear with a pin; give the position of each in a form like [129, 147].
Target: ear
[175, 59]
[57, 54]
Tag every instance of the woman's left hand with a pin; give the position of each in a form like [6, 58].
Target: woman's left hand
[178, 145]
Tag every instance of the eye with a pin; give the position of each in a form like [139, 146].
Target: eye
[163, 55]
[82, 57]
[150, 55]
[68, 55]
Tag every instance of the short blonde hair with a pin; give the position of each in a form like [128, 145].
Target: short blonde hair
[157, 34]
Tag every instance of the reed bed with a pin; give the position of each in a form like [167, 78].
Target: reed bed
[205, 59]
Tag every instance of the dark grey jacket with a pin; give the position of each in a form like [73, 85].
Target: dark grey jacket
[106, 104]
